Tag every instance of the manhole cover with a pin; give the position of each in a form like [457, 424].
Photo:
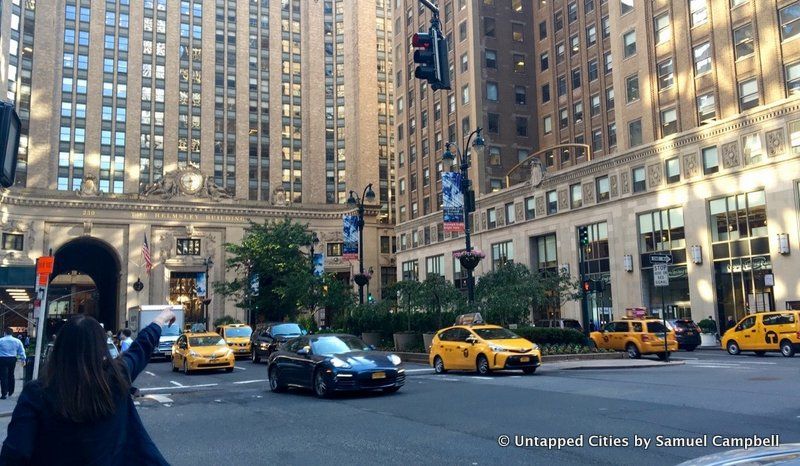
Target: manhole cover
[765, 379]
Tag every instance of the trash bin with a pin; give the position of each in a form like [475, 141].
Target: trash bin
[28, 376]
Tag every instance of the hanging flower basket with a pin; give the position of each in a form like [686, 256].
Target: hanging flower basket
[469, 260]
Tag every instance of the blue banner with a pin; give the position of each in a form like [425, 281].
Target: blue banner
[254, 282]
[319, 264]
[201, 285]
[453, 200]
[350, 231]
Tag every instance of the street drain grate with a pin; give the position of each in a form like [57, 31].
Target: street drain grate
[765, 379]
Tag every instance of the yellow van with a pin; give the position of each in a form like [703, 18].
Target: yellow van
[765, 331]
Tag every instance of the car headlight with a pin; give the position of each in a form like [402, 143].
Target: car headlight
[263, 345]
[229, 352]
[535, 347]
[338, 363]
[193, 353]
[395, 359]
[496, 348]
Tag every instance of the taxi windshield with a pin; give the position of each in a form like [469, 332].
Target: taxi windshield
[495, 333]
[206, 341]
[235, 332]
[326, 346]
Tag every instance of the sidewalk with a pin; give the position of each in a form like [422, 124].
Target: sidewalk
[611, 364]
[7, 405]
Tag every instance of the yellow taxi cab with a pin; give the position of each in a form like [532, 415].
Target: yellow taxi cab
[473, 345]
[765, 331]
[201, 351]
[636, 336]
[238, 338]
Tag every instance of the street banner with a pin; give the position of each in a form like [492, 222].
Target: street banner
[201, 287]
[254, 284]
[453, 200]
[350, 231]
[319, 264]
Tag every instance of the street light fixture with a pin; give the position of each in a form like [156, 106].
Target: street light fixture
[208, 263]
[361, 278]
[468, 260]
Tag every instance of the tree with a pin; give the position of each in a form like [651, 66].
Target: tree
[438, 294]
[332, 294]
[271, 256]
[405, 295]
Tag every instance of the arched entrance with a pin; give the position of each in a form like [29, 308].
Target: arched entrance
[92, 268]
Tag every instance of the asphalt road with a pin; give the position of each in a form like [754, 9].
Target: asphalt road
[223, 418]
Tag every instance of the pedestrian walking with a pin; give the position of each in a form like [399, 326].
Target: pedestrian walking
[81, 412]
[27, 341]
[127, 340]
[11, 350]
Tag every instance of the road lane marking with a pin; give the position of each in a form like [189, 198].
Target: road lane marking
[159, 398]
[151, 389]
[755, 362]
[149, 373]
[481, 378]
[240, 368]
[419, 370]
[176, 383]
[249, 381]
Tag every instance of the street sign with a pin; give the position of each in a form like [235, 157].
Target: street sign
[660, 258]
[44, 265]
[660, 275]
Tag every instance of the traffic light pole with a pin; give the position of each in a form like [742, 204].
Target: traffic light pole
[584, 291]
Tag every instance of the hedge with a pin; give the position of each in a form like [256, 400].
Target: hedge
[552, 336]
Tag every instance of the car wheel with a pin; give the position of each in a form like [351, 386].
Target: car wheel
[787, 348]
[528, 370]
[633, 351]
[255, 357]
[690, 348]
[438, 365]
[760, 353]
[482, 365]
[733, 348]
[229, 369]
[321, 388]
[274, 383]
[391, 389]
[186, 368]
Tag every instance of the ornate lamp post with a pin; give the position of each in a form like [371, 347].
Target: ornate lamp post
[361, 278]
[208, 263]
[468, 259]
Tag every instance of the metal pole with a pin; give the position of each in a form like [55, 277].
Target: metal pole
[466, 189]
[361, 249]
[584, 293]
[40, 332]
[664, 322]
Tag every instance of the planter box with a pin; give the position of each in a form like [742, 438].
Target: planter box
[405, 341]
[708, 340]
[371, 338]
[427, 341]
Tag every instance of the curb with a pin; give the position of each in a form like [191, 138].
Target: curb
[624, 366]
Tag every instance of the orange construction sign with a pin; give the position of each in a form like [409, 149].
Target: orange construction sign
[44, 265]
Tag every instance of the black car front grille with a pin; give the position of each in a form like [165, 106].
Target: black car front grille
[515, 361]
[213, 364]
[365, 381]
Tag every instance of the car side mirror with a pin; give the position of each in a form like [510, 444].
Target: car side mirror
[472, 340]
[304, 351]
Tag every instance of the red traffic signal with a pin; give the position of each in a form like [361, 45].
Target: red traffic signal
[588, 286]
[431, 56]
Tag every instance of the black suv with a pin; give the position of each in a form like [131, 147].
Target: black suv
[686, 332]
[267, 337]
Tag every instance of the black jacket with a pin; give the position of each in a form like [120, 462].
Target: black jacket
[38, 435]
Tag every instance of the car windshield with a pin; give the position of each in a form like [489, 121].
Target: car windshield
[655, 327]
[206, 341]
[495, 334]
[236, 332]
[286, 329]
[326, 346]
[572, 324]
[171, 331]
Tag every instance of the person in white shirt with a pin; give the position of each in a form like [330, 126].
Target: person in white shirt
[127, 341]
[11, 350]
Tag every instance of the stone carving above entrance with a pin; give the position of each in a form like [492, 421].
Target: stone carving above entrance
[89, 187]
[730, 155]
[188, 181]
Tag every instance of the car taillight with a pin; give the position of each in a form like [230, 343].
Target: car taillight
[678, 330]
[798, 335]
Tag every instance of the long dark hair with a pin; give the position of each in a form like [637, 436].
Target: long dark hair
[82, 380]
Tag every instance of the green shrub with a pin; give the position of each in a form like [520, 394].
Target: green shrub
[226, 320]
[707, 326]
[552, 336]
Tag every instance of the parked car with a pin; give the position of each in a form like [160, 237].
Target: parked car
[329, 363]
[686, 332]
[559, 323]
[238, 337]
[765, 331]
[267, 337]
[637, 337]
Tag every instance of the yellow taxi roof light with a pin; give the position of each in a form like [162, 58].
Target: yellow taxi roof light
[473, 318]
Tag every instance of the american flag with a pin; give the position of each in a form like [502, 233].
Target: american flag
[148, 262]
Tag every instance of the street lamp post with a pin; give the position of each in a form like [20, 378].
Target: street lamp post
[468, 260]
[208, 263]
[361, 278]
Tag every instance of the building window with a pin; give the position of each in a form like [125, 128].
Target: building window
[577, 112]
[603, 188]
[639, 182]
[789, 17]
[748, 94]
[576, 78]
[591, 35]
[669, 122]
[632, 88]
[710, 160]
[572, 12]
[522, 126]
[502, 253]
[561, 84]
[673, 170]
[491, 217]
[516, 32]
[520, 95]
[335, 249]
[488, 26]
[493, 123]
[666, 76]
[698, 9]
[608, 62]
[511, 216]
[609, 99]
[543, 30]
[558, 21]
[552, 202]
[612, 135]
[560, 52]
[491, 59]
[625, 6]
[574, 45]
[547, 124]
[545, 252]
[752, 148]
[629, 42]
[593, 71]
[606, 24]
[563, 118]
[576, 196]
[702, 58]
[597, 140]
[13, 241]
[661, 230]
[635, 133]
[544, 61]
[743, 40]
[530, 208]
[794, 136]
[434, 265]
[706, 107]
[491, 91]
[410, 270]
[545, 93]
[793, 78]
[188, 247]
[519, 63]
[594, 105]
[662, 27]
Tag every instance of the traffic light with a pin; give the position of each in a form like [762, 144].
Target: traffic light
[370, 298]
[588, 286]
[431, 56]
[9, 143]
[583, 234]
